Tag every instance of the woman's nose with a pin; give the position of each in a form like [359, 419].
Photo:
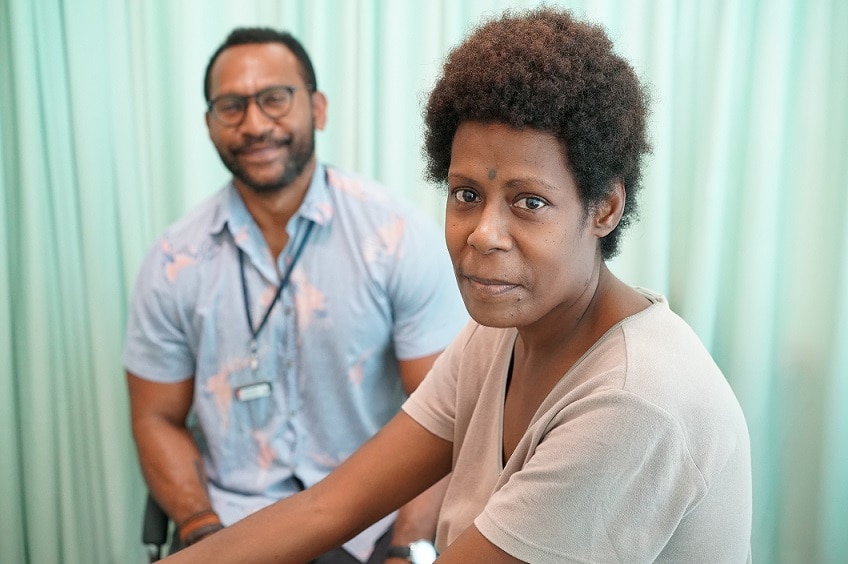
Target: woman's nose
[491, 232]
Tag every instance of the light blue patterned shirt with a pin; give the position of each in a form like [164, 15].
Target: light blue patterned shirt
[374, 284]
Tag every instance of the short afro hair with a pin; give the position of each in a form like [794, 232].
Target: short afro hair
[256, 35]
[545, 70]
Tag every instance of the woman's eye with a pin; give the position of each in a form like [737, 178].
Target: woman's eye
[531, 203]
[465, 196]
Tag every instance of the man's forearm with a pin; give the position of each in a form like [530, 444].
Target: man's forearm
[173, 469]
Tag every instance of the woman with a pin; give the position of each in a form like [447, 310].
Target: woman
[580, 419]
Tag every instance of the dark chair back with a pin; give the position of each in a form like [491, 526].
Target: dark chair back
[154, 533]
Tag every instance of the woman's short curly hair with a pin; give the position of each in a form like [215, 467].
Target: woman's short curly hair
[545, 70]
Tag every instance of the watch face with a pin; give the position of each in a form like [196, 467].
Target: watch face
[422, 552]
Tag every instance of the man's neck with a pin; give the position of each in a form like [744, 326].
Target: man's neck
[272, 210]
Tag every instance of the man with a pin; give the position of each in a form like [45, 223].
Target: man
[290, 313]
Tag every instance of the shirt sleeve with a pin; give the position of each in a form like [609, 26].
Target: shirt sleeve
[609, 481]
[156, 347]
[427, 308]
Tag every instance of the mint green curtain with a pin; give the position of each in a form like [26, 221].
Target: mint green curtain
[103, 143]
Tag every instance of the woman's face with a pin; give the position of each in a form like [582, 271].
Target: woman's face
[524, 250]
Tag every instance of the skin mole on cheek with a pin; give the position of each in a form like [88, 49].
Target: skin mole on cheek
[492, 174]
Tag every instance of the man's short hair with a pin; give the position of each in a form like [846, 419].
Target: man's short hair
[254, 35]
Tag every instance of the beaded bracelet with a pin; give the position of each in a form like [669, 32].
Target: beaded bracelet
[197, 526]
[201, 533]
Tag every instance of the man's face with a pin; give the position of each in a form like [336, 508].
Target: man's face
[263, 154]
[522, 245]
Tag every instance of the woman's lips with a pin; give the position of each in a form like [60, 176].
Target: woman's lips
[489, 287]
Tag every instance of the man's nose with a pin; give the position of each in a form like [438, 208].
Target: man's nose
[255, 121]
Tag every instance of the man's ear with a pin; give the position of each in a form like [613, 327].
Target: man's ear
[608, 212]
[319, 109]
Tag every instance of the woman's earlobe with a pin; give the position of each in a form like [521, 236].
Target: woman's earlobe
[609, 211]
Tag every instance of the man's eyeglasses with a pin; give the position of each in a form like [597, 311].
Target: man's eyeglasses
[274, 101]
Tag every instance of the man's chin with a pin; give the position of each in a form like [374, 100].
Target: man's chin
[268, 181]
[265, 188]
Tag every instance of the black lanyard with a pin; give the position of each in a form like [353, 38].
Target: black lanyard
[254, 333]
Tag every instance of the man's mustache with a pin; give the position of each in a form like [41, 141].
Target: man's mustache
[264, 140]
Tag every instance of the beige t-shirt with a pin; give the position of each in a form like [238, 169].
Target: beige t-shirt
[639, 454]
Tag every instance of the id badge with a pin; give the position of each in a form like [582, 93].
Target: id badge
[253, 391]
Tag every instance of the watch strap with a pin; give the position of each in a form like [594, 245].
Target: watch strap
[399, 552]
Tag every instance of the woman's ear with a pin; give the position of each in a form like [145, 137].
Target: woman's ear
[608, 212]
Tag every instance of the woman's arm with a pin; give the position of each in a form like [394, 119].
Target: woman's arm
[471, 546]
[402, 460]
[418, 518]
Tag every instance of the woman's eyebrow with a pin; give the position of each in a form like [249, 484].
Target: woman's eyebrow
[523, 182]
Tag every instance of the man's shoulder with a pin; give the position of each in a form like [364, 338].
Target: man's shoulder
[368, 195]
[199, 222]
[370, 207]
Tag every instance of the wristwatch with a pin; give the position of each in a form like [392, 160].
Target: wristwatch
[418, 552]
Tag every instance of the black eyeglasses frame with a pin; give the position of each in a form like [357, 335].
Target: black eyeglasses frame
[257, 98]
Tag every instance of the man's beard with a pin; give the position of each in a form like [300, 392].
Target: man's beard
[301, 153]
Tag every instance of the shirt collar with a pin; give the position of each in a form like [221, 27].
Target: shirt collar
[317, 205]
[232, 213]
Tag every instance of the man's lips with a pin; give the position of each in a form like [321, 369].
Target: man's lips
[259, 150]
